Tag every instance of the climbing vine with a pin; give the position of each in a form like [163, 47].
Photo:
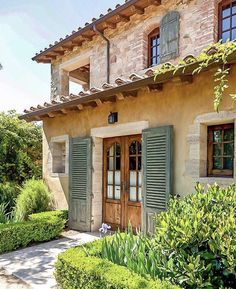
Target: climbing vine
[216, 53]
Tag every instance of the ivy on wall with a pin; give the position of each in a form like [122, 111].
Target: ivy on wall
[216, 53]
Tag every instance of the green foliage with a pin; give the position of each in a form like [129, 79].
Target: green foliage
[197, 238]
[4, 215]
[136, 252]
[20, 149]
[82, 268]
[216, 53]
[8, 195]
[40, 227]
[34, 198]
[194, 245]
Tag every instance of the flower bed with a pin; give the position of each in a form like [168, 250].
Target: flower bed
[40, 227]
[82, 267]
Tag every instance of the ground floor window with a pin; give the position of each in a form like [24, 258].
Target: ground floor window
[220, 151]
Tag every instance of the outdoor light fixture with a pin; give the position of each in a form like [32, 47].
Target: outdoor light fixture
[112, 117]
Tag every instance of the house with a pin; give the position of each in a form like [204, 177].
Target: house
[118, 149]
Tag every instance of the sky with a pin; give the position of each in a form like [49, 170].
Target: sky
[26, 27]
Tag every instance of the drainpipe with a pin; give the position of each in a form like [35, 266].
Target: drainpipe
[108, 51]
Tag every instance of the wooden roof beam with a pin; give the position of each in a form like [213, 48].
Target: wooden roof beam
[155, 87]
[123, 18]
[137, 10]
[155, 2]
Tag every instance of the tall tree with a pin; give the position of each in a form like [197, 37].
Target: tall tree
[20, 149]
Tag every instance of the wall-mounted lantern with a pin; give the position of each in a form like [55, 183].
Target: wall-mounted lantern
[113, 117]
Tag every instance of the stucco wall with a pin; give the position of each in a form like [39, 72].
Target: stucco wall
[129, 42]
[178, 104]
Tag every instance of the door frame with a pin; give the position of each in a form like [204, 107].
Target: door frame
[98, 134]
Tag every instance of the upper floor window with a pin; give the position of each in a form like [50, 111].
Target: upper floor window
[221, 150]
[227, 20]
[154, 47]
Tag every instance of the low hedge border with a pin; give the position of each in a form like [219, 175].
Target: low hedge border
[39, 228]
[80, 268]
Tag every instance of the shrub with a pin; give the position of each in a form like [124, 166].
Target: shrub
[40, 227]
[8, 195]
[81, 268]
[34, 198]
[194, 244]
[197, 238]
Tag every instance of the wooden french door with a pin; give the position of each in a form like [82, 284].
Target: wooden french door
[122, 181]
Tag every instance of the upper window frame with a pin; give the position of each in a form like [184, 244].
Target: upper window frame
[222, 4]
[155, 32]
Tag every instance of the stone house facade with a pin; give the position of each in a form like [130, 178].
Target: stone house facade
[117, 150]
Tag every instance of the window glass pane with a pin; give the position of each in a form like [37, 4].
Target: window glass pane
[153, 41]
[117, 178]
[158, 60]
[140, 179]
[217, 163]
[110, 178]
[132, 148]
[229, 134]
[228, 163]
[217, 150]
[158, 50]
[158, 40]
[132, 163]
[228, 149]
[139, 194]
[139, 163]
[225, 36]
[117, 192]
[154, 61]
[226, 11]
[154, 51]
[110, 163]
[226, 24]
[233, 34]
[132, 194]
[117, 164]
[139, 148]
[234, 8]
[217, 136]
[132, 178]
[111, 151]
[234, 21]
[110, 192]
[117, 150]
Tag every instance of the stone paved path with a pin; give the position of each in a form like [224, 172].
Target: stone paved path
[34, 266]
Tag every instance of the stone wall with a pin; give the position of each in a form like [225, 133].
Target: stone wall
[129, 42]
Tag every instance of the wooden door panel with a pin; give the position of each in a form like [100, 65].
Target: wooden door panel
[113, 213]
[134, 216]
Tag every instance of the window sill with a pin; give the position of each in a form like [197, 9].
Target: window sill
[218, 180]
[59, 175]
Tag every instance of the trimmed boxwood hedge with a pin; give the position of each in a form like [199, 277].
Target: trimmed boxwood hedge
[40, 227]
[80, 268]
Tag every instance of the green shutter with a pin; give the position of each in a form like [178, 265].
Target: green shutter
[80, 184]
[169, 36]
[157, 173]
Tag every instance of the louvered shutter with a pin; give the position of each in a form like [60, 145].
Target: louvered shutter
[80, 184]
[157, 173]
[169, 36]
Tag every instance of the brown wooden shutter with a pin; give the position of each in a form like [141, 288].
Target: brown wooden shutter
[80, 184]
[169, 36]
[157, 173]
